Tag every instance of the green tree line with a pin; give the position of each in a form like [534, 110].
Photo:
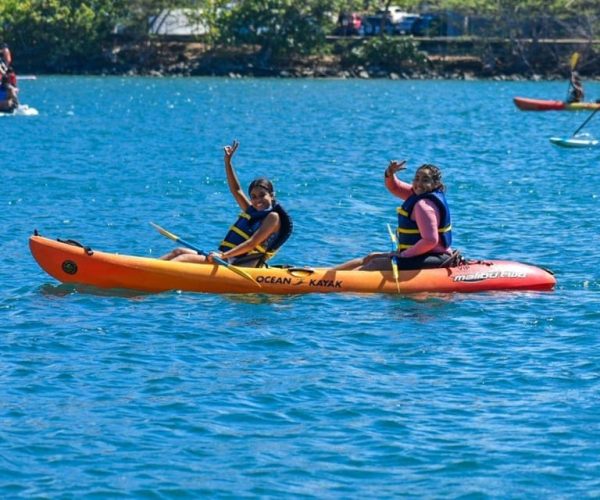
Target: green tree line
[60, 35]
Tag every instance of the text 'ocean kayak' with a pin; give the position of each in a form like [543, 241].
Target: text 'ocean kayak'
[526, 104]
[70, 263]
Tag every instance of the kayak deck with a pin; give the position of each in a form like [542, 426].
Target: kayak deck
[69, 263]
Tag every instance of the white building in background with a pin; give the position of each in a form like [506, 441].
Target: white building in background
[176, 22]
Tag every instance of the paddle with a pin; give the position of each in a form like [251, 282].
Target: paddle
[586, 121]
[218, 260]
[394, 259]
[572, 64]
[574, 60]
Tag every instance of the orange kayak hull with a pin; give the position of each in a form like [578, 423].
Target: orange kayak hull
[527, 104]
[69, 263]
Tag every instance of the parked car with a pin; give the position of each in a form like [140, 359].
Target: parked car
[372, 25]
[429, 25]
[349, 24]
[405, 27]
[394, 13]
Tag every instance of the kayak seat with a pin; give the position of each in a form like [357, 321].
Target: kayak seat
[455, 259]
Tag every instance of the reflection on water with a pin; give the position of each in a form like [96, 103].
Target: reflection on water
[65, 289]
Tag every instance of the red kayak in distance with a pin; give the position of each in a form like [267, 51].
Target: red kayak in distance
[526, 104]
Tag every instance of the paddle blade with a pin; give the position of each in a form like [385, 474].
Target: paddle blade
[574, 60]
[242, 273]
[164, 232]
[395, 273]
[235, 269]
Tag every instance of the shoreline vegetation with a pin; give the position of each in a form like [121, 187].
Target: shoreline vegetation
[392, 58]
[510, 40]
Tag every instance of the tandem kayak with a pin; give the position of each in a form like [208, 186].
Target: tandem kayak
[69, 262]
[525, 104]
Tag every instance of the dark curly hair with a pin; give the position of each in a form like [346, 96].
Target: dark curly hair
[436, 175]
[262, 182]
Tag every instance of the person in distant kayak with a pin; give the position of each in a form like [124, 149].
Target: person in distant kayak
[8, 96]
[576, 88]
[5, 55]
[260, 230]
[424, 230]
[12, 77]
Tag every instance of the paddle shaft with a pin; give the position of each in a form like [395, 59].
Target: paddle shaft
[201, 252]
[394, 258]
[586, 121]
[218, 260]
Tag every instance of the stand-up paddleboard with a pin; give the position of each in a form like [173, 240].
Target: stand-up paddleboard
[578, 141]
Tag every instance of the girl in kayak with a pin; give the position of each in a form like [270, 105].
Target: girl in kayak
[424, 230]
[261, 228]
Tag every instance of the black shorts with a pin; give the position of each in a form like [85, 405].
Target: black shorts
[248, 260]
[426, 261]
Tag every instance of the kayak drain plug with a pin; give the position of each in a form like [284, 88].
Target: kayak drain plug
[69, 267]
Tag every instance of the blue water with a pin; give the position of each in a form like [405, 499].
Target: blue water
[174, 395]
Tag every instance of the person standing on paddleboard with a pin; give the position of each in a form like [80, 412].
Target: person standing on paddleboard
[424, 231]
[260, 230]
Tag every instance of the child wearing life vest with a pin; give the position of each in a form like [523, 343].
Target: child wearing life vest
[261, 228]
[424, 230]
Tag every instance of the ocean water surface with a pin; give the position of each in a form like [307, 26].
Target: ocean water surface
[179, 395]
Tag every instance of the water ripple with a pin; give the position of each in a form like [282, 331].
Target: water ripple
[175, 395]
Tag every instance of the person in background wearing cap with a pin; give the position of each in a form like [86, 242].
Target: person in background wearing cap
[261, 228]
[424, 231]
